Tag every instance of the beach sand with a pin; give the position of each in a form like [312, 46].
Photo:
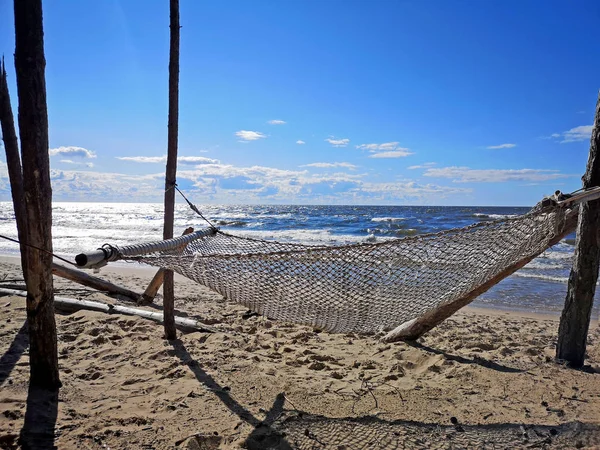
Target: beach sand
[483, 379]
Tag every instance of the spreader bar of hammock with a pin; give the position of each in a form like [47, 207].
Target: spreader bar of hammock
[108, 253]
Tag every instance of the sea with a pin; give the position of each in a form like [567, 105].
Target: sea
[539, 287]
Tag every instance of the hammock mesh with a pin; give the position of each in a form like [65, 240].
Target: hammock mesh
[363, 288]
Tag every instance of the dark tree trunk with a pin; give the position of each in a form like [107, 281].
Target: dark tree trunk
[13, 162]
[30, 66]
[171, 173]
[576, 315]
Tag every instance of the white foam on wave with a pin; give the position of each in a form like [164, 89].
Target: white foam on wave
[536, 264]
[309, 237]
[494, 216]
[554, 254]
[389, 219]
[540, 276]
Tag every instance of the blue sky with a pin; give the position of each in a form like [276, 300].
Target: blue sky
[338, 102]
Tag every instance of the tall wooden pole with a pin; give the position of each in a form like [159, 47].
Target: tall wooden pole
[13, 162]
[575, 318]
[171, 172]
[30, 66]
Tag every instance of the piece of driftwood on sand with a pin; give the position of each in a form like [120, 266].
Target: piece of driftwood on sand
[71, 305]
[94, 282]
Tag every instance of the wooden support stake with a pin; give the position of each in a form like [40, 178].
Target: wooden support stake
[70, 305]
[13, 162]
[575, 319]
[30, 68]
[171, 171]
[157, 280]
[94, 282]
[415, 328]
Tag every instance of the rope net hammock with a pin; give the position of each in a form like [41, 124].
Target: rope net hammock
[363, 288]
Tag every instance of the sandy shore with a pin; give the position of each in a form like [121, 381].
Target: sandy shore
[484, 379]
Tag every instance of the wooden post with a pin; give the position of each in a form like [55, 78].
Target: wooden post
[171, 172]
[576, 315]
[13, 162]
[30, 66]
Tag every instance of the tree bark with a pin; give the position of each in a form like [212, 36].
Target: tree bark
[576, 315]
[171, 172]
[13, 162]
[30, 66]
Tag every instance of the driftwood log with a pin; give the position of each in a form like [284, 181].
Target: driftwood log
[93, 282]
[70, 305]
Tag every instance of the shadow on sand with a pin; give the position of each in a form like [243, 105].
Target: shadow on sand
[304, 431]
[9, 360]
[285, 429]
[40, 419]
[461, 359]
[264, 435]
[38, 430]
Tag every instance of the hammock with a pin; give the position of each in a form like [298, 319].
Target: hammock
[364, 288]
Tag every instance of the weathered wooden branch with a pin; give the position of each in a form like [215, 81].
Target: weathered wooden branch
[93, 282]
[13, 162]
[575, 319]
[415, 328]
[70, 305]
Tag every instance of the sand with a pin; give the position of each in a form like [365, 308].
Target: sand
[483, 379]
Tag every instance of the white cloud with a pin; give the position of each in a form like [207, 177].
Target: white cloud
[494, 147]
[300, 142]
[325, 165]
[426, 165]
[228, 184]
[467, 175]
[72, 151]
[385, 150]
[68, 161]
[337, 142]
[395, 154]
[163, 159]
[577, 134]
[276, 122]
[581, 133]
[386, 146]
[246, 135]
